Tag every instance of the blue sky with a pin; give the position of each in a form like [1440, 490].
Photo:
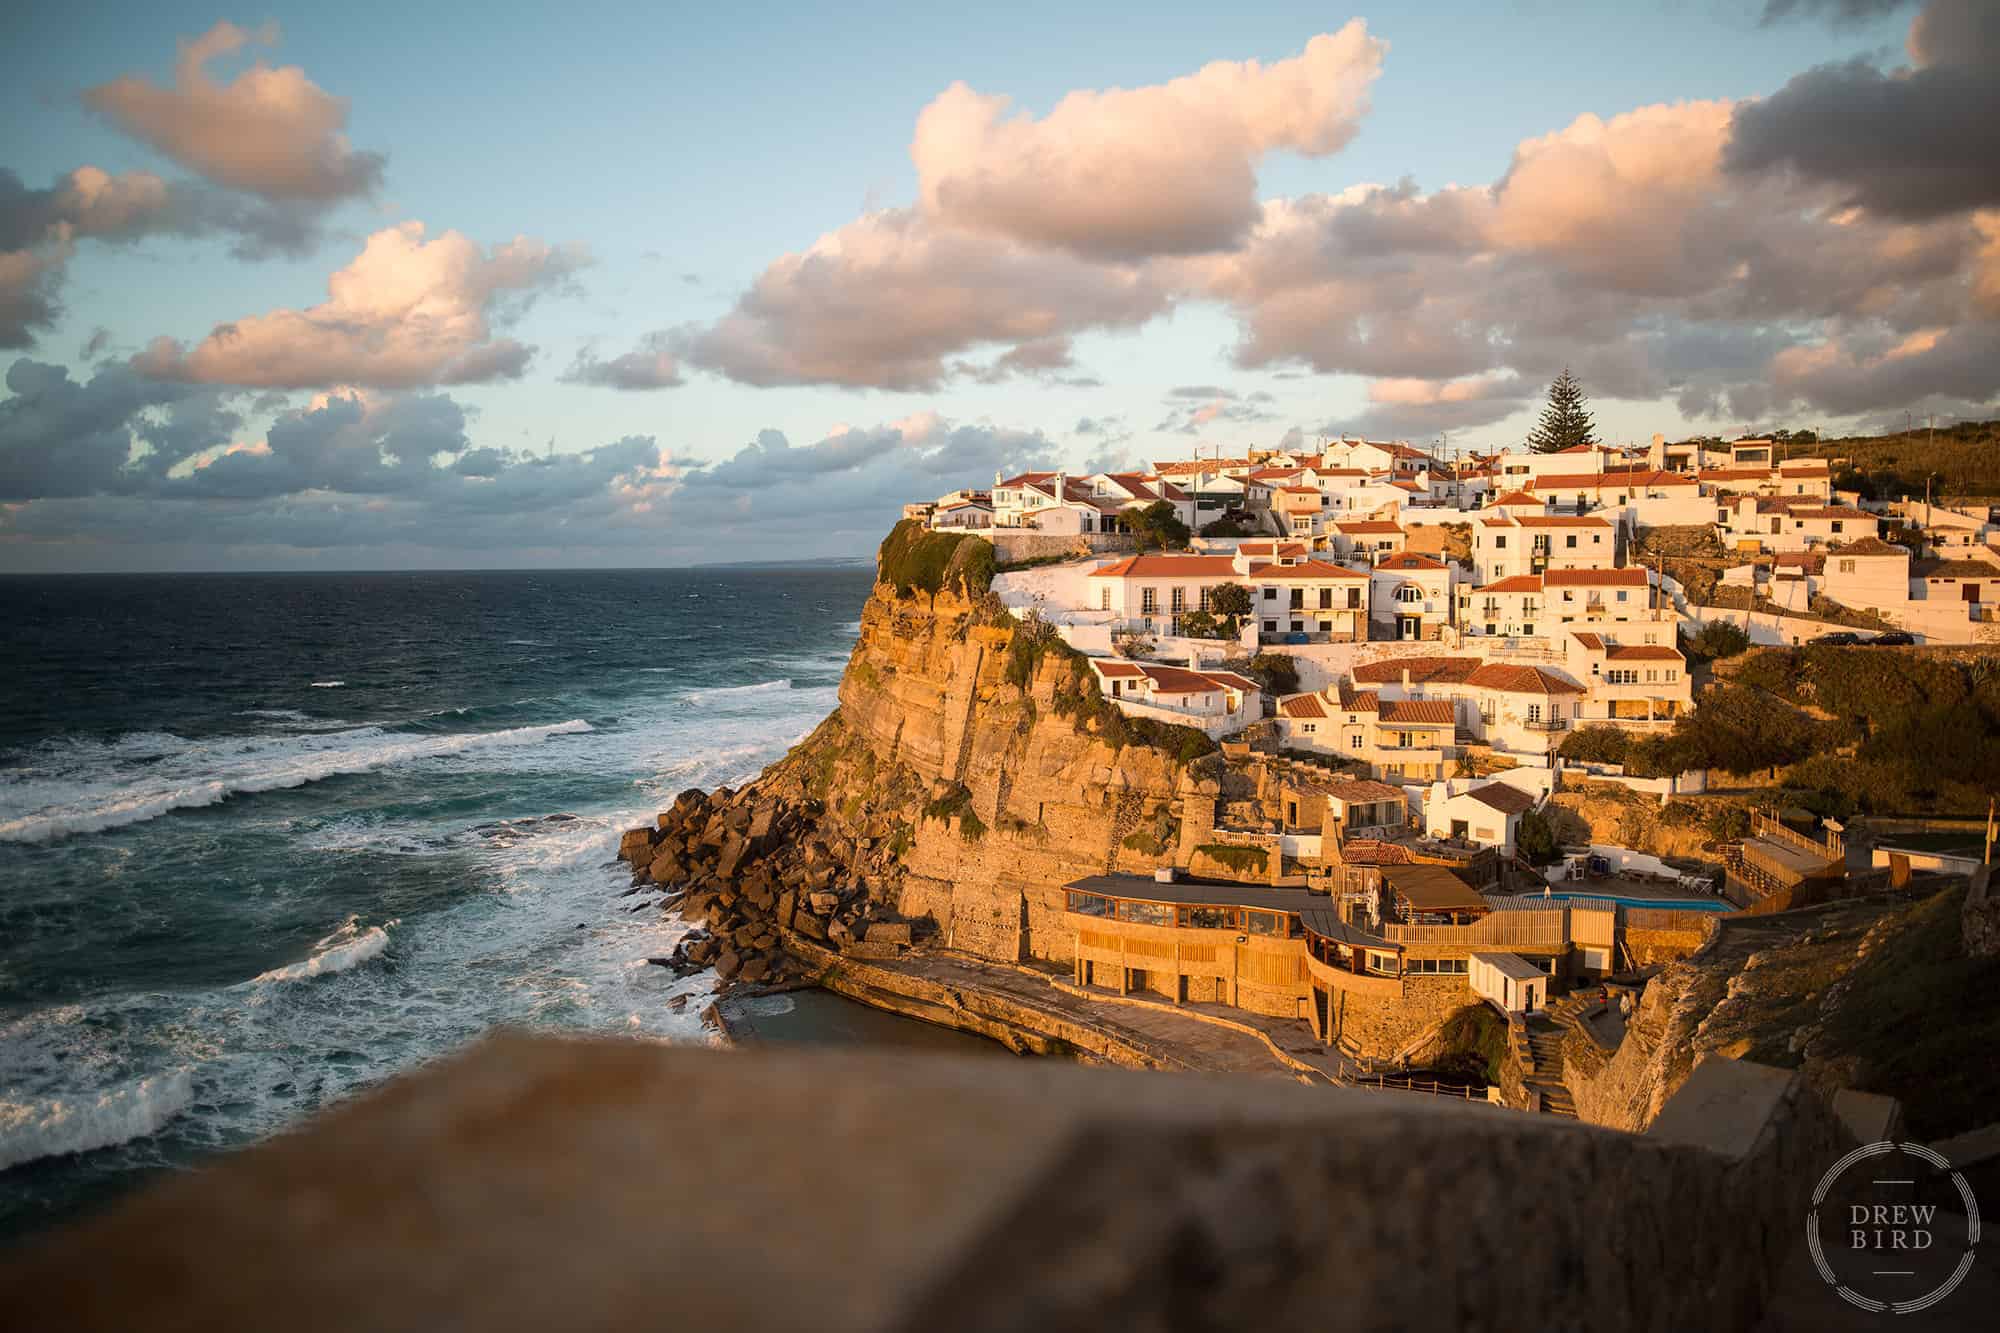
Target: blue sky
[666, 158]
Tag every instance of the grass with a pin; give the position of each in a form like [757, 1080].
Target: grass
[1243, 860]
[1921, 1015]
[914, 559]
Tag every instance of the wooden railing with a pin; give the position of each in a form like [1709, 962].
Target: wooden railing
[1464, 1092]
[1543, 930]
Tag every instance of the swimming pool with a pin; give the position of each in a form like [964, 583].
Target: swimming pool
[1665, 904]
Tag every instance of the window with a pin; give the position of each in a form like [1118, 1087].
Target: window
[1270, 594]
[1409, 592]
[1209, 918]
[1382, 963]
[1104, 598]
[1621, 594]
[1270, 627]
[1089, 904]
[1499, 543]
[1149, 600]
[1354, 741]
[1179, 600]
[1308, 727]
[1534, 712]
[1570, 541]
[1146, 914]
[1202, 599]
[1264, 923]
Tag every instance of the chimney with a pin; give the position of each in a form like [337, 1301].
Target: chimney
[1406, 682]
[1163, 874]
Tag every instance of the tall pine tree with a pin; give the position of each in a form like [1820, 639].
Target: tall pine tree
[1566, 421]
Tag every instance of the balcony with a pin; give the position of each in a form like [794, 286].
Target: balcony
[1545, 723]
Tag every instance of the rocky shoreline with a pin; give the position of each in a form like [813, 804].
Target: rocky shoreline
[747, 868]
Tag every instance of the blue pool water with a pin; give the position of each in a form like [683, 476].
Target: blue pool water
[1666, 904]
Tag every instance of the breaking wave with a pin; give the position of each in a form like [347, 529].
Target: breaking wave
[52, 1126]
[345, 948]
[699, 697]
[328, 684]
[180, 779]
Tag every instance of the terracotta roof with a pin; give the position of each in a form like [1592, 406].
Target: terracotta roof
[1360, 791]
[1179, 680]
[1954, 569]
[1168, 567]
[1561, 521]
[1310, 570]
[1513, 583]
[1508, 800]
[1273, 548]
[1232, 678]
[1276, 473]
[1644, 652]
[1515, 498]
[1301, 705]
[1358, 701]
[1410, 560]
[1432, 887]
[1826, 511]
[1595, 578]
[1369, 528]
[1028, 479]
[1511, 678]
[1594, 642]
[1119, 669]
[1812, 562]
[1389, 670]
[1610, 477]
[1373, 852]
[1872, 546]
[1417, 712]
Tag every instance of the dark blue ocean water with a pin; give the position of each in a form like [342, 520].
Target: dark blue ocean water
[267, 839]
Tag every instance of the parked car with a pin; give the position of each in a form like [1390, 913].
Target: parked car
[1895, 638]
[1841, 639]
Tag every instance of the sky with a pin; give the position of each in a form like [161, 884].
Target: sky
[360, 286]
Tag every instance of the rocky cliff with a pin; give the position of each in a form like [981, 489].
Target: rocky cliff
[970, 772]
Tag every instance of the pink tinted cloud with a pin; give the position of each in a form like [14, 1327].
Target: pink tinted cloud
[405, 312]
[1122, 173]
[269, 131]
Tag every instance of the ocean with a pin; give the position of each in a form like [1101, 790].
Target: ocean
[266, 840]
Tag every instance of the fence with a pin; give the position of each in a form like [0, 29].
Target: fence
[1536, 930]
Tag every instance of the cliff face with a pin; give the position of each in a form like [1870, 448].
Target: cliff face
[966, 798]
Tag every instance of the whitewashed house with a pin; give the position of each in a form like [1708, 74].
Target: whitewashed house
[1216, 703]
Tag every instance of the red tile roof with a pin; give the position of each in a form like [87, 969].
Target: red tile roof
[1513, 583]
[1358, 701]
[1644, 652]
[1302, 705]
[1389, 670]
[1410, 560]
[1515, 679]
[1594, 642]
[1595, 578]
[1515, 498]
[1872, 546]
[1507, 800]
[1368, 528]
[1168, 567]
[1360, 791]
[1305, 570]
[1417, 712]
[1626, 477]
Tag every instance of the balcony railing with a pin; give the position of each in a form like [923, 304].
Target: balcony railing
[1546, 723]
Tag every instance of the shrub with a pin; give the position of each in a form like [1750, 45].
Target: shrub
[1243, 860]
[1033, 639]
[1718, 638]
[1595, 745]
[1278, 673]
[914, 559]
[1229, 603]
[1728, 823]
[1157, 525]
[1535, 839]
[1226, 527]
[957, 803]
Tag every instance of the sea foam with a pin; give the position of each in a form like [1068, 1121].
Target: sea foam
[344, 948]
[201, 774]
[51, 1126]
[698, 697]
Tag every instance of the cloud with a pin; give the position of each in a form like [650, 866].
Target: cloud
[271, 132]
[1411, 408]
[1127, 173]
[1840, 13]
[651, 365]
[888, 300]
[1917, 143]
[405, 312]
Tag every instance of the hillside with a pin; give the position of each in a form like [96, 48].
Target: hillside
[1963, 458]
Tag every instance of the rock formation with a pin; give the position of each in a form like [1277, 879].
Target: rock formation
[969, 773]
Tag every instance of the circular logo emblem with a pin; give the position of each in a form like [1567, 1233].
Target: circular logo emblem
[1893, 1228]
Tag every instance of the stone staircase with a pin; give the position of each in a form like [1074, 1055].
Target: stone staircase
[1545, 1036]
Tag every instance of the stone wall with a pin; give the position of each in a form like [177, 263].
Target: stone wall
[1376, 1027]
[1671, 942]
[860, 1191]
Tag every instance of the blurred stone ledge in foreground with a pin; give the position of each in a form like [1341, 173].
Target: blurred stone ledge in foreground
[542, 1183]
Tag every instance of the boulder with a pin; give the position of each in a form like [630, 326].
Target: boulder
[744, 935]
[728, 964]
[823, 903]
[889, 932]
[755, 970]
[765, 940]
[667, 869]
[733, 853]
[636, 846]
[809, 926]
[786, 904]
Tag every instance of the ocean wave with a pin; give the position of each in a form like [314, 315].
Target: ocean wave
[699, 697]
[344, 948]
[183, 781]
[328, 684]
[79, 1122]
[276, 714]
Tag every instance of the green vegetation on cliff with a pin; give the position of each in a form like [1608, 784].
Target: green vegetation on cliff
[914, 559]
